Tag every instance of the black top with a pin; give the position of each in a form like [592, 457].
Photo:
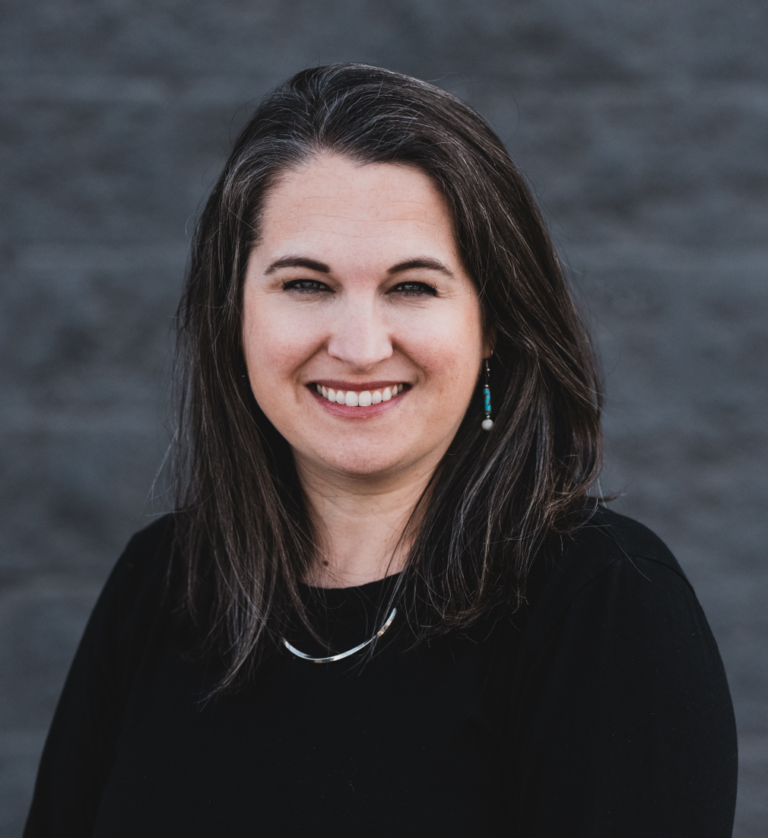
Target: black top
[604, 712]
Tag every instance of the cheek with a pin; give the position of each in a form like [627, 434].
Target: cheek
[274, 351]
[450, 353]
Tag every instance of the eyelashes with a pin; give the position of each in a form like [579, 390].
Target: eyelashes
[305, 285]
[405, 289]
[415, 289]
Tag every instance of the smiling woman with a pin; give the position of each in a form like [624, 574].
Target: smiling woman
[372, 318]
[499, 653]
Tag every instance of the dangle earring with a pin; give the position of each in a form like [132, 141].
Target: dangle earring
[487, 422]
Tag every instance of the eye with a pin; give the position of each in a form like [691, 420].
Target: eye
[305, 286]
[414, 289]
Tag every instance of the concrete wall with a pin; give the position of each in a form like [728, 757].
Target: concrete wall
[643, 127]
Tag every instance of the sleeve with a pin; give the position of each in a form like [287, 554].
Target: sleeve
[630, 731]
[79, 749]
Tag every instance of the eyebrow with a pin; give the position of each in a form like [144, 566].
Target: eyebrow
[298, 262]
[429, 264]
[321, 267]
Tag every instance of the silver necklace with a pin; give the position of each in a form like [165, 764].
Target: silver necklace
[341, 655]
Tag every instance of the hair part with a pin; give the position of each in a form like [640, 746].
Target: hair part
[244, 536]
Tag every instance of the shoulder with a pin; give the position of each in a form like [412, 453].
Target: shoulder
[137, 583]
[607, 539]
[617, 605]
[611, 564]
[611, 545]
[150, 548]
[620, 693]
[146, 556]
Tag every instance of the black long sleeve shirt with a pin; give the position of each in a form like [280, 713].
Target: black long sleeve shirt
[602, 711]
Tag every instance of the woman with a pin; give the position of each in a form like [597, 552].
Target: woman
[385, 604]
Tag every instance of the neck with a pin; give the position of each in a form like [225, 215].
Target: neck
[361, 524]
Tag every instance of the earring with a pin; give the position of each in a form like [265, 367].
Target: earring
[487, 422]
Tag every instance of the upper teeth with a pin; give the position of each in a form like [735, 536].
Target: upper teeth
[352, 398]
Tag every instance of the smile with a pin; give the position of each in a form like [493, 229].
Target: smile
[365, 398]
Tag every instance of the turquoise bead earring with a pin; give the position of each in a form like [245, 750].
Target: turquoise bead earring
[487, 422]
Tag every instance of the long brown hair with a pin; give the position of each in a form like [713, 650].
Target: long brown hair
[244, 538]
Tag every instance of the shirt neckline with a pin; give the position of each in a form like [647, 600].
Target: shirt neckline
[359, 599]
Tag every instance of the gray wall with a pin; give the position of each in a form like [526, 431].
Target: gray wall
[643, 127]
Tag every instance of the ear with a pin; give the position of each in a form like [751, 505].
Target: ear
[489, 342]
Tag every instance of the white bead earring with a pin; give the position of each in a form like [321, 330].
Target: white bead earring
[487, 422]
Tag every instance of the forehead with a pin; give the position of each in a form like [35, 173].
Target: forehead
[332, 200]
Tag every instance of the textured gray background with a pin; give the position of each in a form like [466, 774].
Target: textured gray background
[643, 127]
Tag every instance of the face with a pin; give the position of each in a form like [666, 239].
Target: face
[362, 331]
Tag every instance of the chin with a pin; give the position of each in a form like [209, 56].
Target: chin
[364, 466]
[363, 459]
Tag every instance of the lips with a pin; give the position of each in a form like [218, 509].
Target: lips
[359, 398]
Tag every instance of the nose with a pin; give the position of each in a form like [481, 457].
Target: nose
[359, 336]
